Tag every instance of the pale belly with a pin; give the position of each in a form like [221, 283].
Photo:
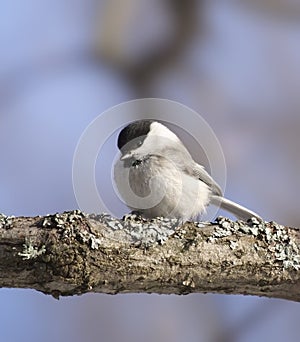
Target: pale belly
[168, 193]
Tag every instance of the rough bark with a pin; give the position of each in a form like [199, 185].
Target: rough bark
[72, 253]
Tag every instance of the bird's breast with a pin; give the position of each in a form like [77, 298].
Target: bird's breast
[156, 186]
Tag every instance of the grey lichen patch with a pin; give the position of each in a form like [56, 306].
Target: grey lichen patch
[152, 231]
[140, 231]
[61, 220]
[271, 236]
[202, 224]
[69, 224]
[30, 251]
[90, 239]
[189, 282]
[233, 245]
[222, 231]
[190, 236]
[6, 222]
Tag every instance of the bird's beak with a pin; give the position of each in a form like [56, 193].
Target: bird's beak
[126, 156]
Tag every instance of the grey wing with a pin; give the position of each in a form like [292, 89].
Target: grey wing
[198, 171]
[182, 158]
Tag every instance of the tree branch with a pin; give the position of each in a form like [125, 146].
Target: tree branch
[72, 253]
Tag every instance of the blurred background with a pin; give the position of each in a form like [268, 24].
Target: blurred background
[63, 62]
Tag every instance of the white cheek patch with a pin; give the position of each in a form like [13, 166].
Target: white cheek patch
[157, 139]
[157, 129]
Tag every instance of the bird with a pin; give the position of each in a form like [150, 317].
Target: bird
[156, 176]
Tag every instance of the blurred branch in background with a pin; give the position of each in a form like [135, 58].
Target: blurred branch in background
[278, 9]
[254, 317]
[156, 51]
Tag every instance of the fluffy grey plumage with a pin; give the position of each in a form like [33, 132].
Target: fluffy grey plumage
[157, 176]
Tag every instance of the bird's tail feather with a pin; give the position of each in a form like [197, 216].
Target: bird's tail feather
[236, 209]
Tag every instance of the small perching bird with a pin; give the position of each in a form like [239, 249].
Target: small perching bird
[157, 177]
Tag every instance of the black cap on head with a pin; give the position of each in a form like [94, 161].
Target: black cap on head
[134, 130]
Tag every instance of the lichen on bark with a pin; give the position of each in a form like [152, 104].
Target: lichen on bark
[74, 253]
